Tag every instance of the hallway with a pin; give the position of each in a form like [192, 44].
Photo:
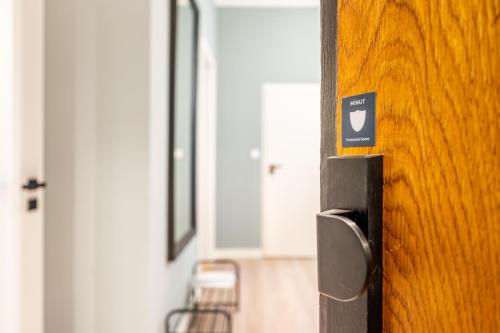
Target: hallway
[177, 166]
[278, 295]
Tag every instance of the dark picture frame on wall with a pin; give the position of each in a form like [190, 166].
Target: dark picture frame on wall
[183, 80]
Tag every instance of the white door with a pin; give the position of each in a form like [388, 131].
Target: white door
[206, 138]
[290, 169]
[8, 234]
[21, 254]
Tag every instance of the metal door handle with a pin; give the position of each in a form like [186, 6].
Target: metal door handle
[33, 184]
[345, 257]
[273, 168]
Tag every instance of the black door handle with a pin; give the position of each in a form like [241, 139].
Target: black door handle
[345, 260]
[33, 184]
[273, 168]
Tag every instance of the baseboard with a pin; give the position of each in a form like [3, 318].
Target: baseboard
[238, 253]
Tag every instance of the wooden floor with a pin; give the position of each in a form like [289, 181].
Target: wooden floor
[278, 296]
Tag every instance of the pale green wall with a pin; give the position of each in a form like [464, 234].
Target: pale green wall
[208, 22]
[254, 46]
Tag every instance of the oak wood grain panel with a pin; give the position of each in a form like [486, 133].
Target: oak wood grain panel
[435, 66]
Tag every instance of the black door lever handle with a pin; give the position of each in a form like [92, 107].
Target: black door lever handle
[33, 184]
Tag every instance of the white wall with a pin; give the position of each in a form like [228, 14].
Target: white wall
[168, 281]
[106, 168]
[70, 142]
[97, 166]
[85, 141]
[122, 160]
[60, 65]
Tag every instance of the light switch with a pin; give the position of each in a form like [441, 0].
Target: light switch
[255, 154]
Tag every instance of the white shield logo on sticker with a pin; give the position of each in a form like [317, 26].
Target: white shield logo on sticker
[358, 118]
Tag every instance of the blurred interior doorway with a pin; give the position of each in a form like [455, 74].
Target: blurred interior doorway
[290, 175]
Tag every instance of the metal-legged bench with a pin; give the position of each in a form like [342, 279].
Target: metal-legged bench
[214, 295]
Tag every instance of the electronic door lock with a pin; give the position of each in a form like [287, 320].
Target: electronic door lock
[344, 255]
[349, 240]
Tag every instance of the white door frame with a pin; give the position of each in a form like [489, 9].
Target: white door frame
[21, 104]
[206, 150]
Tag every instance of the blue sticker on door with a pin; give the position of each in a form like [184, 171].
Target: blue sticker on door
[358, 120]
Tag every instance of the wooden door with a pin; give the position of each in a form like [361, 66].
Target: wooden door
[435, 67]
